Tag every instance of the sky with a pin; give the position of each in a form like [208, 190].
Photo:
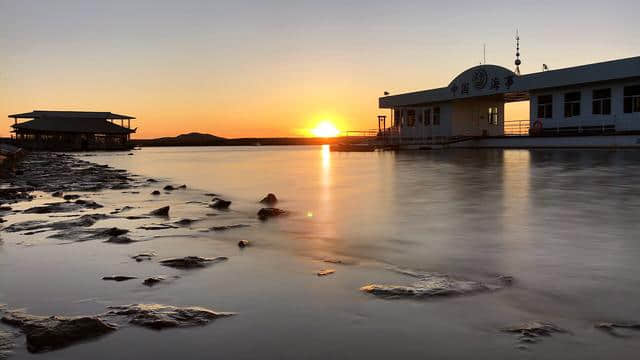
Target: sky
[278, 68]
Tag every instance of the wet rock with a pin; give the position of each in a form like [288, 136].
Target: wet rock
[228, 227]
[531, 331]
[119, 240]
[154, 280]
[266, 213]
[119, 278]
[191, 262]
[169, 188]
[143, 257]
[325, 272]
[136, 217]
[6, 344]
[211, 194]
[45, 333]
[618, 329]
[152, 180]
[270, 199]
[186, 222]
[57, 194]
[71, 197]
[155, 192]
[339, 261]
[157, 227]
[82, 221]
[5, 208]
[182, 187]
[157, 317]
[243, 243]
[90, 204]
[429, 285]
[163, 211]
[220, 204]
[121, 210]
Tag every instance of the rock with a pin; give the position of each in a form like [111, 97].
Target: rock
[220, 204]
[88, 204]
[429, 285]
[143, 257]
[617, 329]
[157, 227]
[5, 208]
[325, 272]
[157, 317]
[228, 227]
[530, 331]
[151, 281]
[57, 194]
[155, 192]
[243, 243]
[119, 278]
[190, 262]
[339, 261]
[211, 194]
[82, 221]
[182, 187]
[119, 240]
[71, 197]
[186, 222]
[266, 213]
[169, 188]
[45, 333]
[6, 344]
[270, 199]
[121, 210]
[152, 180]
[163, 211]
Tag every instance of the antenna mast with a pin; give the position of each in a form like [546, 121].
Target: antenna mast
[484, 53]
[518, 62]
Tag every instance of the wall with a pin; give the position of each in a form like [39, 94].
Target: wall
[470, 117]
[421, 132]
[622, 121]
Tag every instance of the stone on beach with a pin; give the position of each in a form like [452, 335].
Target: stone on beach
[119, 278]
[325, 272]
[169, 188]
[82, 221]
[220, 204]
[243, 243]
[119, 240]
[157, 317]
[430, 285]
[155, 192]
[151, 281]
[228, 227]
[270, 199]
[45, 333]
[6, 344]
[143, 257]
[163, 211]
[63, 207]
[57, 194]
[266, 213]
[617, 329]
[190, 262]
[71, 197]
[528, 332]
[186, 222]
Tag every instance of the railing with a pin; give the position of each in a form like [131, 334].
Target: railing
[516, 127]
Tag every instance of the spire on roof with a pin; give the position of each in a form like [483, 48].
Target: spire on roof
[518, 62]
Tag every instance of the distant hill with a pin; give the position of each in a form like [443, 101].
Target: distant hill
[190, 139]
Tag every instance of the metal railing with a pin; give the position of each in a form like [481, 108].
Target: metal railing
[516, 127]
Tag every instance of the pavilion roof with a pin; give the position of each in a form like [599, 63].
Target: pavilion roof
[72, 115]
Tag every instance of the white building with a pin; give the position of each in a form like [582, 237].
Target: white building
[601, 99]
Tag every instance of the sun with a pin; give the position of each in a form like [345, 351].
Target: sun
[325, 129]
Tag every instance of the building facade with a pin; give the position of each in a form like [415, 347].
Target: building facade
[601, 98]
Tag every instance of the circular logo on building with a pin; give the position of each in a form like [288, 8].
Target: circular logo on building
[479, 79]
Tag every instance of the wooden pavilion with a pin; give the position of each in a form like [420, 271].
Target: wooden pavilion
[72, 130]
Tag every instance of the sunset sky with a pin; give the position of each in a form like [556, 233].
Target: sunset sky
[277, 68]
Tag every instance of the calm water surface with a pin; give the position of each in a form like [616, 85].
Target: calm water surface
[563, 223]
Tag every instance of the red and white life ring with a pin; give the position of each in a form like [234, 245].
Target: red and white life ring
[536, 129]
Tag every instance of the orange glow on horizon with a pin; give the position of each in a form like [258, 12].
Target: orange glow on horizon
[325, 129]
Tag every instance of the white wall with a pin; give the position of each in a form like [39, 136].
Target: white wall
[622, 121]
[420, 131]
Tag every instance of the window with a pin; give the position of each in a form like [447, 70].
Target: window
[632, 99]
[545, 107]
[436, 116]
[571, 104]
[493, 116]
[397, 117]
[420, 117]
[602, 102]
[427, 116]
[411, 118]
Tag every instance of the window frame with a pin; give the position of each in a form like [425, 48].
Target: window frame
[427, 117]
[492, 116]
[601, 102]
[545, 106]
[571, 104]
[631, 99]
[436, 119]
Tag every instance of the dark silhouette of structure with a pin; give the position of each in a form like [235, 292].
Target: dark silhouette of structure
[72, 130]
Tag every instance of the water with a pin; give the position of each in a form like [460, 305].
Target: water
[563, 223]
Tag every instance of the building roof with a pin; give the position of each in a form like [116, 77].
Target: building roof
[73, 125]
[71, 115]
[492, 80]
